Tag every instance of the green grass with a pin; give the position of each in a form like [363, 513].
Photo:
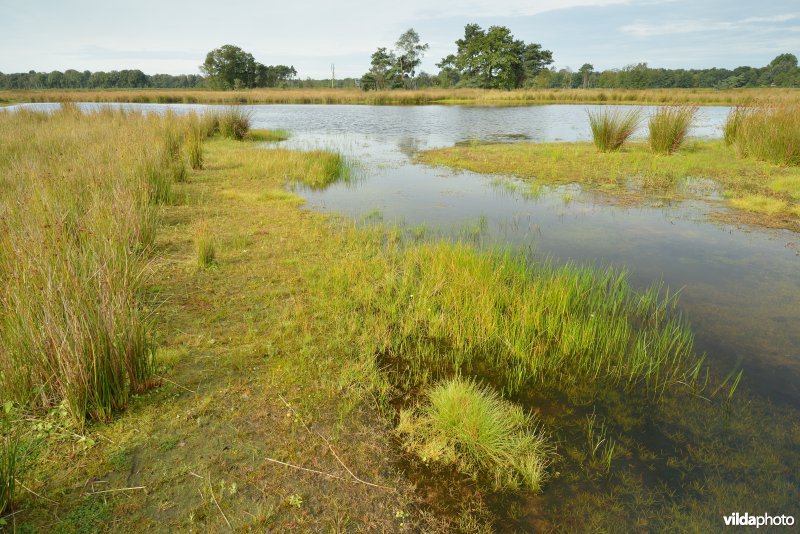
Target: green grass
[470, 426]
[635, 173]
[612, 127]
[668, 128]
[194, 145]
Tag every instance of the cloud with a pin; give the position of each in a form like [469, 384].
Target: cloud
[643, 29]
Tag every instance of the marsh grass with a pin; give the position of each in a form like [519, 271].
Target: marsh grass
[235, 122]
[79, 217]
[194, 144]
[669, 126]
[470, 426]
[10, 452]
[766, 193]
[612, 127]
[600, 446]
[204, 244]
[768, 132]
[440, 308]
[459, 96]
[261, 135]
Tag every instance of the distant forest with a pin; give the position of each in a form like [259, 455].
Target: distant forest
[486, 59]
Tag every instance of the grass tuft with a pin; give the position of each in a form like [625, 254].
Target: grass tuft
[194, 144]
[612, 127]
[669, 127]
[204, 245]
[235, 122]
[472, 427]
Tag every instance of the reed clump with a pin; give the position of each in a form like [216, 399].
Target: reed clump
[470, 426]
[767, 132]
[194, 144]
[204, 245]
[78, 213]
[612, 127]
[669, 126]
[235, 122]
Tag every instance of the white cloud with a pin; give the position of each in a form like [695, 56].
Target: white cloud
[643, 29]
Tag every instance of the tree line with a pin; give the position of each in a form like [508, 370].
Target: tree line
[116, 79]
[485, 58]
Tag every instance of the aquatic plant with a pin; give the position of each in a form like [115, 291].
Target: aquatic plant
[470, 426]
[669, 126]
[612, 127]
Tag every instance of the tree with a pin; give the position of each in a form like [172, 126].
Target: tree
[586, 70]
[382, 68]
[229, 67]
[410, 53]
[494, 59]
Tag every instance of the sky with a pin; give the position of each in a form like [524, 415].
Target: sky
[173, 36]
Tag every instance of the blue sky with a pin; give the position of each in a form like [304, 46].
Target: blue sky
[174, 36]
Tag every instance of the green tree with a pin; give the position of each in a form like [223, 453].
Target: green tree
[230, 67]
[494, 59]
[586, 71]
[409, 55]
[382, 68]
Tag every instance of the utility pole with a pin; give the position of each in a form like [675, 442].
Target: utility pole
[333, 74]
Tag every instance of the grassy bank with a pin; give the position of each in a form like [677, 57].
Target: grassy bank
[487, 97]
[762, 193]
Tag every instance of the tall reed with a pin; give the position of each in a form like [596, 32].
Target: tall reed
[612, 127]
[769, 132]
[669, 126]
[78, 215]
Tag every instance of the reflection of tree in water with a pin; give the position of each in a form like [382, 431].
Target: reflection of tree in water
[409, 146]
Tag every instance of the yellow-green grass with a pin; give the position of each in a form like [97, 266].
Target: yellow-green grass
[650, 174]
[267, 135]
[730, 97]
[235, 342]
[767, 132]
[471, 426]
[668, 128]
[611, 127]
[78, 197]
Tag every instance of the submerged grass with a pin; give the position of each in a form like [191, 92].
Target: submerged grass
[612, 127]
[440, 308]
[769, 194]
[470, 426]
[668, 128]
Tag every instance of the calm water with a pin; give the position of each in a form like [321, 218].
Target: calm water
[740, 286]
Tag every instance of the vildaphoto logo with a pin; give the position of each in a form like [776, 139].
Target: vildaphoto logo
[746, 520]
